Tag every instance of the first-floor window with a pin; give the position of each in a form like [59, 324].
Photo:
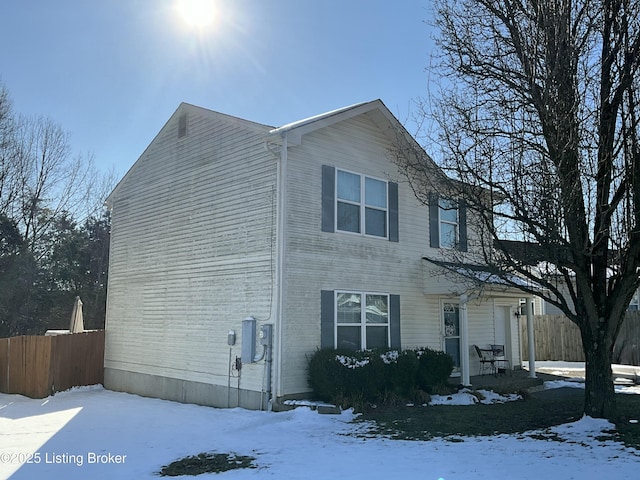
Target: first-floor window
[362, 320]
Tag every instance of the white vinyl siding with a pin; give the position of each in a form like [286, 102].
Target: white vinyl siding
[191, 250]
[318, 260]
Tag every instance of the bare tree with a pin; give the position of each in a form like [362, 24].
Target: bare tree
[46, 193]
[8, 172]
[51, 180]
[538, 119]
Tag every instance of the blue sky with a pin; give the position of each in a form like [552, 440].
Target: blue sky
[111, 72]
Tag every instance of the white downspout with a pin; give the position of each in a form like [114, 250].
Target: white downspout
[464, 341]
[531, 339]
[280, 246]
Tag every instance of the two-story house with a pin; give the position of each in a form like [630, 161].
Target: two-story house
[307, 228]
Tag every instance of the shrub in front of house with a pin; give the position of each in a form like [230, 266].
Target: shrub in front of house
[434, 369]
[349, 378]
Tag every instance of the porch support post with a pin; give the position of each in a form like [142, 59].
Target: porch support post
[531, 338]
[464, 341]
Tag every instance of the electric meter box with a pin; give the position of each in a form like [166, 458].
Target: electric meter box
[265, 334]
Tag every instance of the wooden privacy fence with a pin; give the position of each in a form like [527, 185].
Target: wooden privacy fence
[38, 366]
[557, 338]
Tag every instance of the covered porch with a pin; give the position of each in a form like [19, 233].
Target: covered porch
[460, 288]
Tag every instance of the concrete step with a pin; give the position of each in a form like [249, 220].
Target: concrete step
[321, 407]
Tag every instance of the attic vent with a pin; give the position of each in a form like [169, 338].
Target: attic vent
[182, 126]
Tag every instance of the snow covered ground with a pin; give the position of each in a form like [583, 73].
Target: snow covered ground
[94, 433]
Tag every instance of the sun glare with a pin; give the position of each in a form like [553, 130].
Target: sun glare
[197, 13]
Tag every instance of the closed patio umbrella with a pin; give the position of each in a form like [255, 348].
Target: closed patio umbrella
[77, 322]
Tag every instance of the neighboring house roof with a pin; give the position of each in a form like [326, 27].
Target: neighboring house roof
[532, 253]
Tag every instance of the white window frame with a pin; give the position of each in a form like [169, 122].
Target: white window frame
[362, 204]
[441, 221]
[363, 317]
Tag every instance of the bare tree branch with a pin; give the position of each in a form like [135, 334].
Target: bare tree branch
[538, 110]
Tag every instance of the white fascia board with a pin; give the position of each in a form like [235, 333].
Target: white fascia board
[297, 129]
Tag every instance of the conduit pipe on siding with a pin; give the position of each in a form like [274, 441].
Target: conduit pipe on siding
[278, 296]
[280, 239]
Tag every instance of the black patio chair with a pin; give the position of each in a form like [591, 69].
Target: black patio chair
[486, 360]
[501, 363]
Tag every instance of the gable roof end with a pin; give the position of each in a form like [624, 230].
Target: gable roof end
[185, 108]
[296, 130]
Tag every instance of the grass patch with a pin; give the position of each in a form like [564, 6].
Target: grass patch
[531, 413]
[207, 463]
[627, 426]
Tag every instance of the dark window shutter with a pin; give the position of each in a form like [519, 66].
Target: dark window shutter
[327, 310]
[434, 226]
[328, 198]
[462, 225]
[393, 212]
[394, 321]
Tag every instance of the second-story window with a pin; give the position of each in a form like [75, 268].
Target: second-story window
[361, 204]
[447, 223]
[448, 218]
[358, 204]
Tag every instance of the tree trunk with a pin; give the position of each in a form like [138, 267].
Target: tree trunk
[599, 394]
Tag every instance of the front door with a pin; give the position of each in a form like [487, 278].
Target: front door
[451, 324]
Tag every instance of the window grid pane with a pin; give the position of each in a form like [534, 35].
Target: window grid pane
[448, 235]
[377, 309]
[348, 217]
[349, 337]
[348, 186]
[448, 211]
[452, 347]
[377, 336]
[349, 308]
[375, 222]
[375, 193]
[451, 320]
